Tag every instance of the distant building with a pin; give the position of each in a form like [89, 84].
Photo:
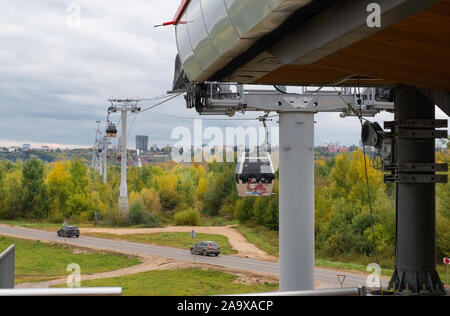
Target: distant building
[26, 147]
[154, 148]
[142, 143]
[45, 148]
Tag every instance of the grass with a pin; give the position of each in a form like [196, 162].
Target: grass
[268, 240]
[263, 238]
[37, 261]
[186, 282]
[216, 221]
[32, 224]
[176, 240]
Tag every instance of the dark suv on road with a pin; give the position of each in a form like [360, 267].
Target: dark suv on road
[70, 231]
[206, 248]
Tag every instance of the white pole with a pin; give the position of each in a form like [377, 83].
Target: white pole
[105, 160]
[123, 198]
[100, 163]
[296, 201]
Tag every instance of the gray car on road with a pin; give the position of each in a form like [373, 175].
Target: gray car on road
[206, 248]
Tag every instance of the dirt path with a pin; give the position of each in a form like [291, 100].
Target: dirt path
[236, 239]
[151, 263]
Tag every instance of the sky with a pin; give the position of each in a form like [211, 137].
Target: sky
[60, 61]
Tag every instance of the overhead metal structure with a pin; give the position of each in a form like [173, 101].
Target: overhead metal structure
[255, 174]
[326, 43]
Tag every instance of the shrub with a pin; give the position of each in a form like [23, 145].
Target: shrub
[169, 198]
[188, 217]
[137, 214]
[244, 210]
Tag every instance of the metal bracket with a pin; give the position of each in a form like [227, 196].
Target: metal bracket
[416, 124]
[418, 134]
[417, 167]
[221, 98]
[415, 178]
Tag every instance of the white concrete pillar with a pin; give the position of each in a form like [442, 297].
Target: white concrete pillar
[296, 201]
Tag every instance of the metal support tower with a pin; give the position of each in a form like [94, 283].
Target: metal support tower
[414, 170]
[105, 159]
[296, 196]
[296, 156]
[124, 106]
[96, 157]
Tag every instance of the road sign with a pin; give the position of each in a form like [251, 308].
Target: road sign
[447, 262]
[193, 234]
[341, 279]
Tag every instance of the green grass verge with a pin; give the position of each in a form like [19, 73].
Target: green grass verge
[263, 238]
[268, 240]
[186, 282]
[176, 240]
[36, 225]
[36, 261]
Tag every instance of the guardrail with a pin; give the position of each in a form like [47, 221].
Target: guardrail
[7, 262]
[105, 291]
[358, 291]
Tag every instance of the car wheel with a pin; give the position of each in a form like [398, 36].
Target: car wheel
[205, 253]
[217, 254]
[192, 251]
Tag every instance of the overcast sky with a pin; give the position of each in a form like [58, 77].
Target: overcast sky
[56, 75]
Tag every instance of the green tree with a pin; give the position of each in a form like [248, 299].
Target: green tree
[33, 190]
[58, 188]
[11, 206]
[244, 209]
[79, 177]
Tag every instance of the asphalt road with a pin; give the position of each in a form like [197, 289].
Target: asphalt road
[327, 278]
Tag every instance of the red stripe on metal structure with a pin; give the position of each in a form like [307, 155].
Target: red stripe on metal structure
[180, 11]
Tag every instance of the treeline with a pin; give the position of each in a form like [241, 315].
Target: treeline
[187, 195]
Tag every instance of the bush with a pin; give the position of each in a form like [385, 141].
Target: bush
[137, 214]
[189, 217]
[169, 198]
[244, 209]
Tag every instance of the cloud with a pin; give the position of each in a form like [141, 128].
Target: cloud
[55, 79]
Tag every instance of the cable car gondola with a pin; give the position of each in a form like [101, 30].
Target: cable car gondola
[255, 176]
[111, 130]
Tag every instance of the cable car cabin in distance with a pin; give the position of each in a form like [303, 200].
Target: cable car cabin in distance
[255, 175]
[111, 130]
